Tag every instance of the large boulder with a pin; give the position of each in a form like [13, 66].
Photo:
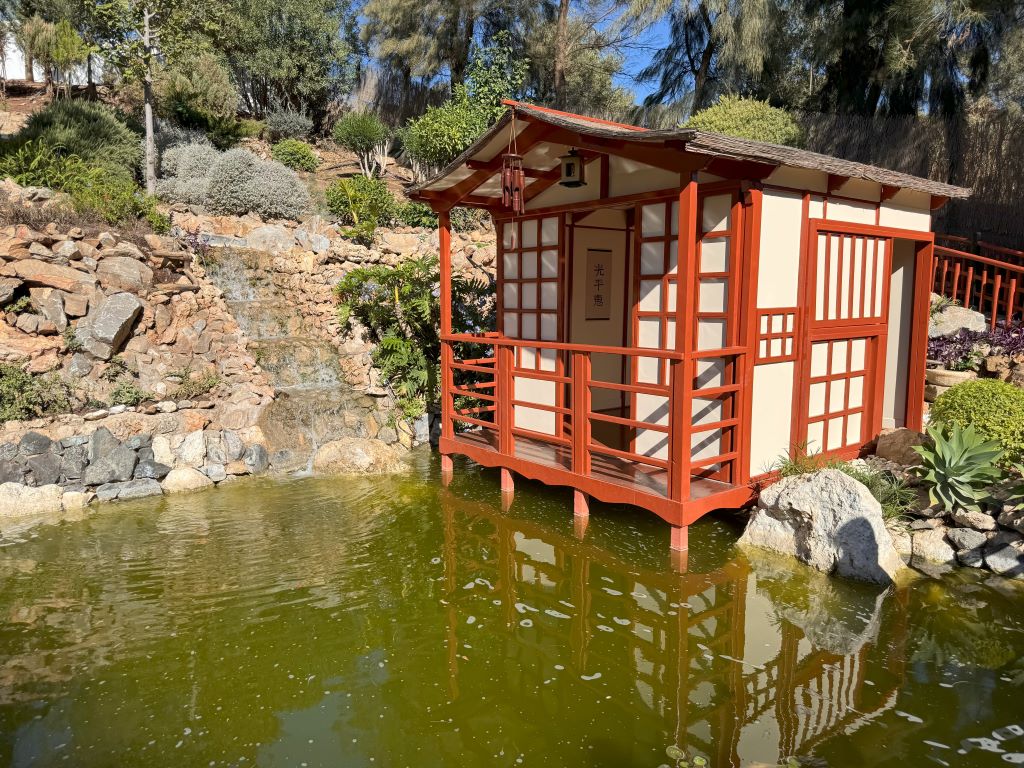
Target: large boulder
[272, 238]
[125, 273]
[185, 479]
[829, 521]
[953, 318]
[16, 499]
[35, 272]
[358, 456]
[104, 330]
[116, 466]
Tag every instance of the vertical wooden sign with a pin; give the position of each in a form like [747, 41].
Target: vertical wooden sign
[599, 284]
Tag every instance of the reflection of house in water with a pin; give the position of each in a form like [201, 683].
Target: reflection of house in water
[717, 662]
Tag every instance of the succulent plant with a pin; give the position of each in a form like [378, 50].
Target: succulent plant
[958, 467]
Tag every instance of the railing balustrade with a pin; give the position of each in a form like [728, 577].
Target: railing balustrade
[992, 285]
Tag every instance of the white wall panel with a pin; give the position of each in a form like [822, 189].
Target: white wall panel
[779, 269]
[772, 414]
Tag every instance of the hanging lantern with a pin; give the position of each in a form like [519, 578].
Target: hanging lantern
[513, 183]
[572, 169]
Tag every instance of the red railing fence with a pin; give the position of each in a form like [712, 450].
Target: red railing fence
[989, 280]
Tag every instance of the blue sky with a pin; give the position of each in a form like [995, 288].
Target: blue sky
[638, 56]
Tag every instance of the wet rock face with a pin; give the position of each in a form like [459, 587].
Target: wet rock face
[829, 521]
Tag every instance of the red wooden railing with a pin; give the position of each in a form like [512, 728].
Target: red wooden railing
[490, 381]
[992, 284]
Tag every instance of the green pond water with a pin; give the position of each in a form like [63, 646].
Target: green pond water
[391, 622]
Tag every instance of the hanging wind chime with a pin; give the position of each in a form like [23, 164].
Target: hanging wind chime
[513, 178]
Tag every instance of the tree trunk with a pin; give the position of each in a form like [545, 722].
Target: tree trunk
[147, 94]
[29, 74]
[561, 53]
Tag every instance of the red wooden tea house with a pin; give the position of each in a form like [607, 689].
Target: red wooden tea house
[678, 309]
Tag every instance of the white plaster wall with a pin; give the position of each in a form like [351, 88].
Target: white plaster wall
[850, 211]
[779, 268]
[862, 189]
[772, 414]
[905, 217]
[628, 177]
[897, 354]
[798, 178]
[534, 391]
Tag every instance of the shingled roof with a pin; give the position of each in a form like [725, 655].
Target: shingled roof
[694, 142]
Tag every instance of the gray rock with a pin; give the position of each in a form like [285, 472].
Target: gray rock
[1013, 518]
[215, 472]
[101, 442]
[102, 413]
[8, 285]
[971, 558]
[69, 249]
[104, 330]
[11, 472]
[50, 304]
[116, 409]
[132, 489]
[952, 319]
[829, 521]
[234, 447]
[125, 273]
[117, 465]
[966, 538]
[271, 238]
[108, 491]
[387, 435]
[33, 443]
[256, 459]
[215, 453]
[74, 440]
[8, 451]
[74, 461]
[925, 524]
[192, 450]
[80, 366]
[898, 445]
[932, 553]
[139, 441]
[44, 468]
[1004, 554]
[421, 428]
[146, 454]
[979, 521]
[152, 470]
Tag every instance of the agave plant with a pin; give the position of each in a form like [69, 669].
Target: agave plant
[959, 467]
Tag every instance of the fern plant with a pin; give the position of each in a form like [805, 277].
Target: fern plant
[400, 309]
[958, 467]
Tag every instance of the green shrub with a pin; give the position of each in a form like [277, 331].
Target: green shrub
[413, 214]
[994, 408]
[201, 96]
[24, 396]
[959, 467]
[90, 131]
[240, 183]
[748, 119]
[363, 203]
[366, 135]
[287, 124]
[295, 154]
[893, 493]
[94, 190]
[194, 385]
[251, 129]
[400, 308]
[468, 219]
[127, 392]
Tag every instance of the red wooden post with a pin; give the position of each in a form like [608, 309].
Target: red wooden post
[580, 505]
[682, 373]
[445, 247]
[680, 537]
[919, 336]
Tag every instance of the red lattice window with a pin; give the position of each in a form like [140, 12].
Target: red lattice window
[836, 408]
[776, 335]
